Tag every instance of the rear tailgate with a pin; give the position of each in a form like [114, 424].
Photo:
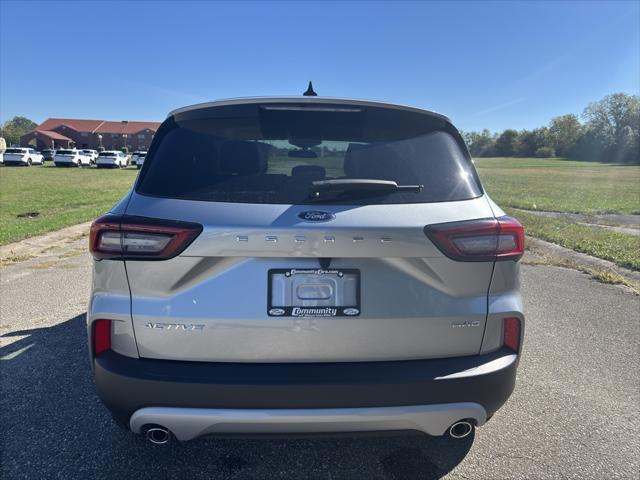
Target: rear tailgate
[211, 303]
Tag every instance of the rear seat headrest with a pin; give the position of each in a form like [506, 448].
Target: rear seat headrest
[243, 158]
[351, 159]
[370, 161]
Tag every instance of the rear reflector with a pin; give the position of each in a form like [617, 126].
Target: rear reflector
[125, 237]
[479, 240]
[101, 336]
[511, 333]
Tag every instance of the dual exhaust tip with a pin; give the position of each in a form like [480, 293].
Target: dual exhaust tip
[461, 429]
[159, 435]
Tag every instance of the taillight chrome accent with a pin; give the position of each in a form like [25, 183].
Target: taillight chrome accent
[482, 240]
[511, 333]
[101, 336]
[140, 238]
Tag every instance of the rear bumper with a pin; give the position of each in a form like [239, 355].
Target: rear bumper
[211, 391]
[189, 423]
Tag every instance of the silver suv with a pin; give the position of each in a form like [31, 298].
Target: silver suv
[309, 264]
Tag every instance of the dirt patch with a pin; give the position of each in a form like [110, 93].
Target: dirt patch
[28, 215]
[11, 258]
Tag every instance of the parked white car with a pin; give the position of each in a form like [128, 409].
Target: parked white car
[138, 159]
[112, 159]
[92, 154]
[22, 156]
[71, 157]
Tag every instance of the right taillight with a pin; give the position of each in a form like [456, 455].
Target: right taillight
[511, 333]
[140, 238]
[479, 240]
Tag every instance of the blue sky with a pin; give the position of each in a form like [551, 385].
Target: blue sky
[485, 64]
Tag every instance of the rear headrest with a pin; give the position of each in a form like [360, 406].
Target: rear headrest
[313, 172]
[243, 158]
[351, 159]
[370, 161]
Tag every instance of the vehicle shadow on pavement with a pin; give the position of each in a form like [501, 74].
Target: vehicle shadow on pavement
[54, 426]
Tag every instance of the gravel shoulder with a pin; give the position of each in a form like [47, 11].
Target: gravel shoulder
[574, 413]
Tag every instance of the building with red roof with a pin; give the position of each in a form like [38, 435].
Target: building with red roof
[95, 134]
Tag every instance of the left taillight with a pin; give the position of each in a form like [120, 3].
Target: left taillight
[101, 336]
[140, 238]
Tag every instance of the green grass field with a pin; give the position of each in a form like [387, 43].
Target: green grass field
[558, 185]
[62, 196]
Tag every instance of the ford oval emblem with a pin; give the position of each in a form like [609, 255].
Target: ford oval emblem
[316, 216]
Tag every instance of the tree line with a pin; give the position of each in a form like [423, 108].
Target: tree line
[609, 132]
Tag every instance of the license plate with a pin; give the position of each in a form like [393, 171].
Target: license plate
[313, 293]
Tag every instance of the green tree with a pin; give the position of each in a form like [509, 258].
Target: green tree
[481, 144]
[613, 124]
[530, 141]
[564, 132]
[506, 143]
[13, 129]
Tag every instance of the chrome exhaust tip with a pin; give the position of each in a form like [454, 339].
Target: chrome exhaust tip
[158, 435]
[461, 429]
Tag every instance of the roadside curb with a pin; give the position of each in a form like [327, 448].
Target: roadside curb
[580, 260]
[35, 246]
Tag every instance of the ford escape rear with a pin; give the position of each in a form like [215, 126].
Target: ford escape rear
[305, 265]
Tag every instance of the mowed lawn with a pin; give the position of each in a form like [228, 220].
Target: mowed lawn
[559, 185]
[60, 196]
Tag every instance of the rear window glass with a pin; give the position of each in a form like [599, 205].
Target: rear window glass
[272, 153]
[107, 154]
[14, 150]
[66, 152]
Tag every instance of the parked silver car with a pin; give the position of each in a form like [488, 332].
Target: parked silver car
[305, 265]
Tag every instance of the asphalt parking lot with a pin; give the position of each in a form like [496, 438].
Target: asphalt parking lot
[574, 414]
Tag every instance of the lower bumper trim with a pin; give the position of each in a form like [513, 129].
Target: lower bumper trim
[189, 423]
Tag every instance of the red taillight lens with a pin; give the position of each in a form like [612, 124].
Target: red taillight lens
[124, 237]
[101, 336]
[479, 240]
[511, 333]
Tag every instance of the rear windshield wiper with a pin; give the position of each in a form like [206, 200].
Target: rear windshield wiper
[357, 185]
